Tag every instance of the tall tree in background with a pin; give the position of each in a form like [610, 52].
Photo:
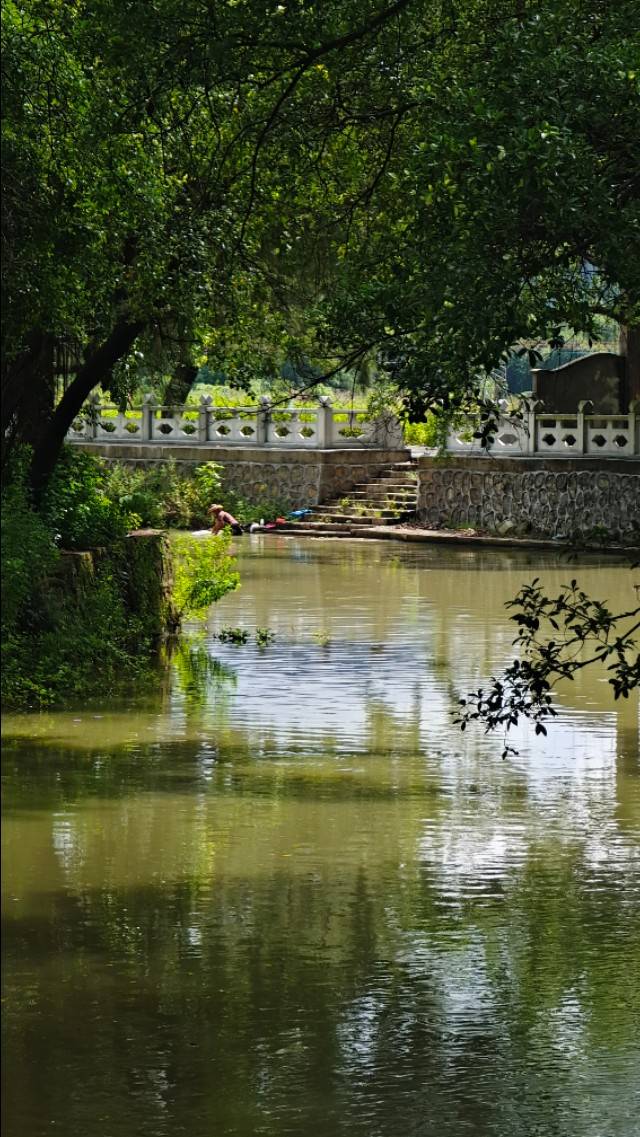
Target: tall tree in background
[512, 206]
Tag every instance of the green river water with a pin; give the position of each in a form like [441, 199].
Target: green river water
[280, 894]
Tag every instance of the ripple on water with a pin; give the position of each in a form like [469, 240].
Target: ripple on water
[284, 896]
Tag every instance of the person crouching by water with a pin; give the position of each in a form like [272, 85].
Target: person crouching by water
[221, 518]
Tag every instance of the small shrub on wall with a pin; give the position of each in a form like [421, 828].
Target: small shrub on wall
[203, 571]
[422, 433]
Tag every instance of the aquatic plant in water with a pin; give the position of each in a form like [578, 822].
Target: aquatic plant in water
[235, 636]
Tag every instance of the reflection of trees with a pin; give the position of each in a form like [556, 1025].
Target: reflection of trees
[229, 933]
[387, 731]
[264, 953]
[628, 768]
[350, 1003]
[200, 677]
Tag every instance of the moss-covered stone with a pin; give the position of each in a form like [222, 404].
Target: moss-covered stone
[140, 566]
[149, 580]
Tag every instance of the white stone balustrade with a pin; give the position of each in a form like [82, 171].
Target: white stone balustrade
[322, 426]
[318, 426]
[541, 434]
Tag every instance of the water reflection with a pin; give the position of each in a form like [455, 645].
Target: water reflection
[284, 897]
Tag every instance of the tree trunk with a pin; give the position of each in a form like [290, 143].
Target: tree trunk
[179, 384]
[629, 347]
[93, 371]
[28, 392]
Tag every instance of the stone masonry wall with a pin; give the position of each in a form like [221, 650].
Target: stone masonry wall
[542, 497]
[297, 478]
[294, 484]
[140, 565]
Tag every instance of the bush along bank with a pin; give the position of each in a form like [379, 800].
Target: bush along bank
[164, 496]
[86, 600]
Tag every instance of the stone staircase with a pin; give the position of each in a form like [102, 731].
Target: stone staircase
[386, 499]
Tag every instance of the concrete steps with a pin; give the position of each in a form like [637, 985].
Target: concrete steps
[320, 528]
[389, 498]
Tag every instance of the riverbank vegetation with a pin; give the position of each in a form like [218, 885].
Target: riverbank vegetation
[84, 605]
[165, 496]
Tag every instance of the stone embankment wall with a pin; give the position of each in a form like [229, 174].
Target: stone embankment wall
[142, 566]
[297, 478]
[541, 497]
[149, 580]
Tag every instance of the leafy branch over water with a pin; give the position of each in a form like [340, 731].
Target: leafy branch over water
[587, 633]
[203, 570]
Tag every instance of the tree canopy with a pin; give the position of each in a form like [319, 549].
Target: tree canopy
[428, 180]
[512, 205]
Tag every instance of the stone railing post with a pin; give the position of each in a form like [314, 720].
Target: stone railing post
[148, 411]
[93, 415]
[324, 422]
[203, 418]
[262, 421]
[534, 408]
[584, 408]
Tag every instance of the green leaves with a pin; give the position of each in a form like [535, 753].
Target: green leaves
[588, 633]
[204, 571]
[251, 192]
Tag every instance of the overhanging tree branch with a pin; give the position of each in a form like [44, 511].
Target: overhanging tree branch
[577, 623]
[310, 58]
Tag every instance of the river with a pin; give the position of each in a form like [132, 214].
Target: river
[280, 895]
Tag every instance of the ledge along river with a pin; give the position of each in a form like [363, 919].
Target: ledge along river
[281, 894]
